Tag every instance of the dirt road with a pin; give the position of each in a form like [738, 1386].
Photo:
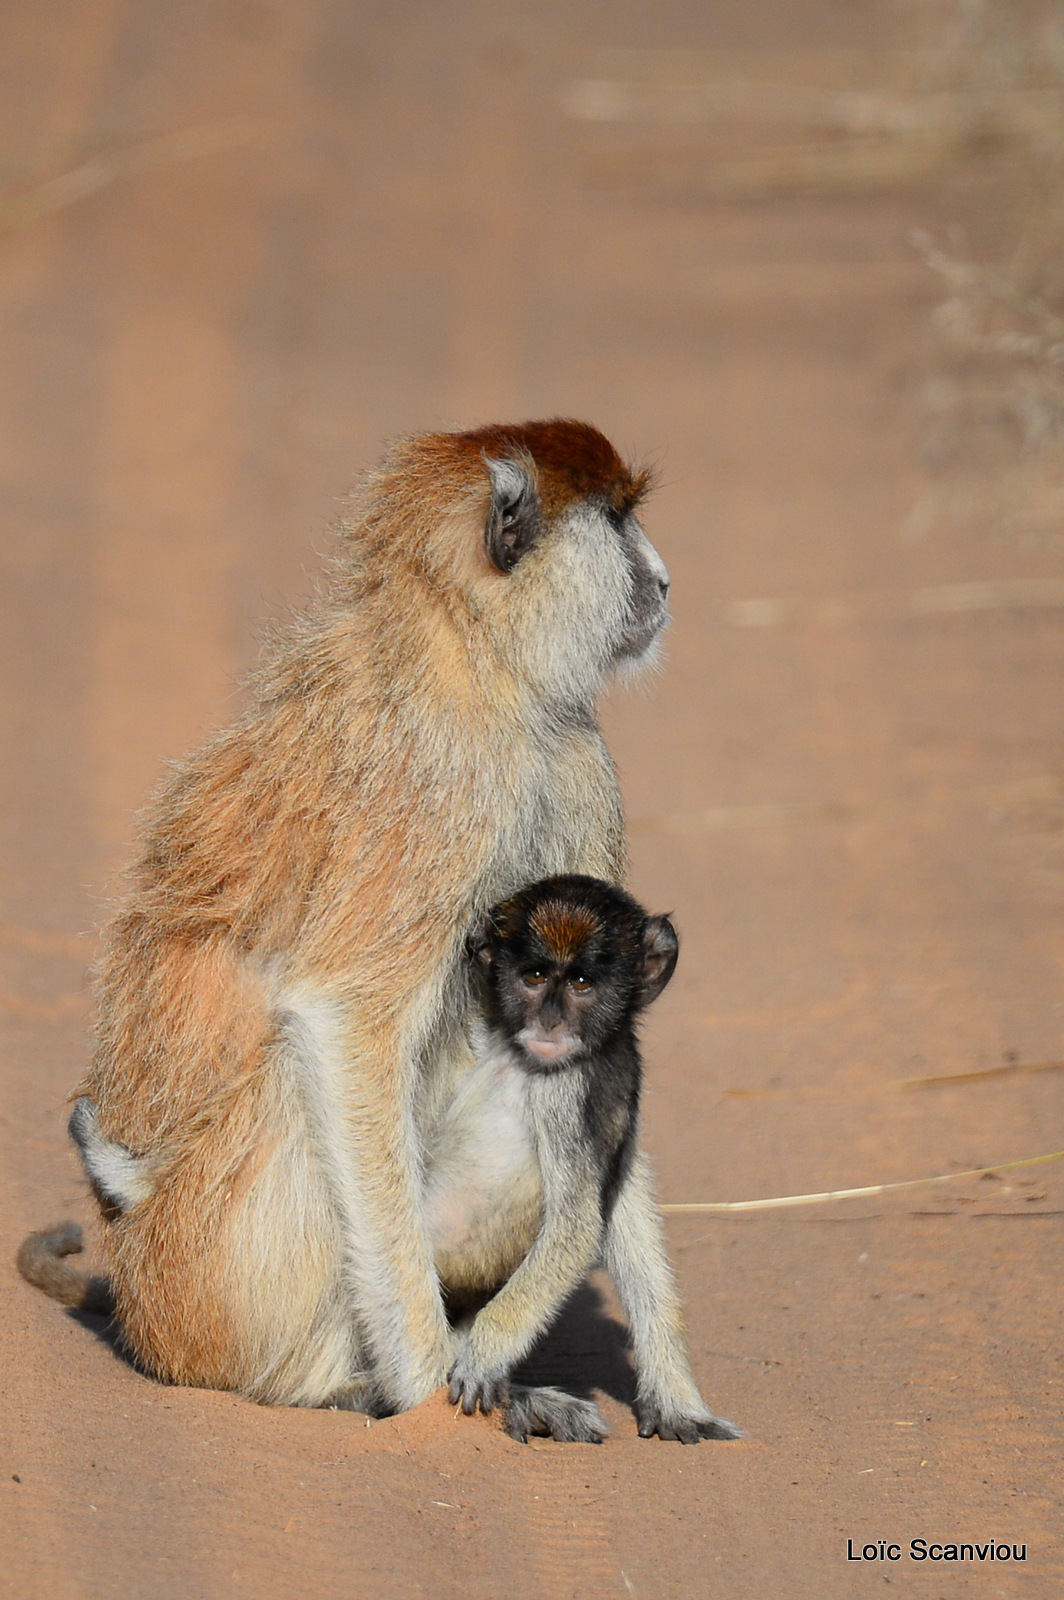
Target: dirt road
[242, 245]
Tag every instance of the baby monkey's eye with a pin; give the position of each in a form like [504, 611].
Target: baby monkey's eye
[579, 982]
[534, 978]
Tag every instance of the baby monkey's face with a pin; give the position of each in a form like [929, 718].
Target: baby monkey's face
[567, 965]
[555, 1004]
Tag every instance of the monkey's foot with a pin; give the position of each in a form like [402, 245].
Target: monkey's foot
[359, 1395]
[552, 1414]
[686, 1427]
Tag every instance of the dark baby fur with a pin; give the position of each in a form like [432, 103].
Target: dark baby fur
[575, 927]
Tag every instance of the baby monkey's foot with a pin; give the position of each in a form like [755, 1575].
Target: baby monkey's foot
[553, 1414]
[546, 1413]
[689, 1427]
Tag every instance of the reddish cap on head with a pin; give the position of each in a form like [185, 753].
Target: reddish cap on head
[564, 929]
[574, 460]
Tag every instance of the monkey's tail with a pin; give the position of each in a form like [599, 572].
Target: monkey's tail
[40, 1261]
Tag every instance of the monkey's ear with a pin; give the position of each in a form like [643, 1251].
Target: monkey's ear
[514, 523]
[660, 950]
[481, 943]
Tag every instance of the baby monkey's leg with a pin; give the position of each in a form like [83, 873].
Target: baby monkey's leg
[667, 1399]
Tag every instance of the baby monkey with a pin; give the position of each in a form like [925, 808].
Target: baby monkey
[533, 1172]
[536, 1174]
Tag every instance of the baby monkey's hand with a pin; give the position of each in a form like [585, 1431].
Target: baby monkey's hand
[470, 1386]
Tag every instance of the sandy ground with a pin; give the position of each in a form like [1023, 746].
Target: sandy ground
[244, 244]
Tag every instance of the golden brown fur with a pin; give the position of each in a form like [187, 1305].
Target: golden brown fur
[565, 930]
[283, 1005]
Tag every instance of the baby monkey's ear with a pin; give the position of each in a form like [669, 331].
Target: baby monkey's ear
[482, 944]
[660, 950]
[514, 522]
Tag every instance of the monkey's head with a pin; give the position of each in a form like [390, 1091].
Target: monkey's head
[529, 534]
[567, 965]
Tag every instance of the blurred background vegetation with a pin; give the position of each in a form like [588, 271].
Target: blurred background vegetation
[968, 113]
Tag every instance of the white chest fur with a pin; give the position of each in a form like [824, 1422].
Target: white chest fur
[482, 1178]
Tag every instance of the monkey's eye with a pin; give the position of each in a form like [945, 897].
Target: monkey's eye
[579, 983]
[535, 978]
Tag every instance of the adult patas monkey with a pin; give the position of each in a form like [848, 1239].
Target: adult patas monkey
[284, 999]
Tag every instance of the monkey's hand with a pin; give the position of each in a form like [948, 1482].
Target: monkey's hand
[686, 1425]
[471, 1385]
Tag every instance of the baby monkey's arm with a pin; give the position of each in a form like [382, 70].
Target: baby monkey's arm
[566, 1248]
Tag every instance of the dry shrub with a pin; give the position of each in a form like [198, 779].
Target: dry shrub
[1001, 325]
[984, 85]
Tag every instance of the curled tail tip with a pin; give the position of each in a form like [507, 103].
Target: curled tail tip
[65, 1239]
[40, 1261]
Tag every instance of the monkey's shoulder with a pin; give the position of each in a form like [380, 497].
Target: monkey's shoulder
[612, 1084]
